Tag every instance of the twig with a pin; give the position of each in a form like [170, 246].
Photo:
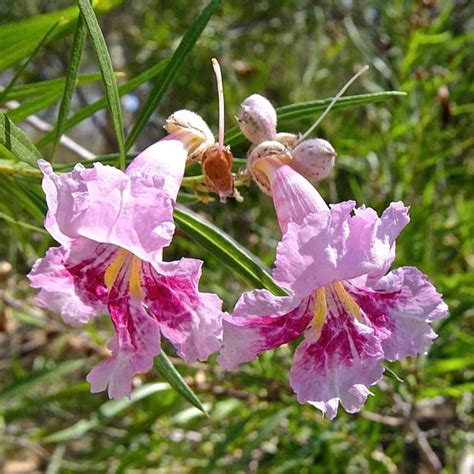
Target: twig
[383, 419]
[425, 447]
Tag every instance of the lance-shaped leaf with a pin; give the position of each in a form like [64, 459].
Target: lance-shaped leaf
[71, 79]
[226, 249]
[101, 103]
[309, 109]
[167, 370]
[104, 413]
[107, 72]
[15, 144]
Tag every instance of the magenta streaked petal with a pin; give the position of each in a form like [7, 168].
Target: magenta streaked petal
[136, 343]
[58, 290]
[335, 245]
[262, 321]
[87, 262]
[337, 366]
[166, 159]
[191, 320]
[401, 306]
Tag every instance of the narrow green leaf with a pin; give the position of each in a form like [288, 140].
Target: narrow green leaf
[16, 142]
[185, 47]
[309, 109]
[25, 225]
[108, 77]
[105, 412]
[167, 370]
[33, 89]
[90, 109]
[19, 39]
[22, 387]
[31, 107]
[391, 373]
[71, 79]
[227, 250]
[17, 75]
[23, 196]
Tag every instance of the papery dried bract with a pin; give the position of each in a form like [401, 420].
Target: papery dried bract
[267, 149]
[217, 169]
[191, 129]
[257, 119]
[289, 140]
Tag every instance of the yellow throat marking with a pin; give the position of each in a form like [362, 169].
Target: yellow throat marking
[346, 300]
[320, 308]
[116, 265]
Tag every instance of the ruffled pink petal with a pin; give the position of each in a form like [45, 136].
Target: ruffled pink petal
[400, 306]
[191, 320]
[392, 222]
[66, 196]
[132, 211]
[336, 366]
[262, 321]
[135, 344]
[335, 245]
[167, 159]
[58, 290]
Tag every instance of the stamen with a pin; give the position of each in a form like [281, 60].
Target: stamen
[349, 304]
[320, 310]
[220, 97]
[334, 100]
[114, 268]
[134, 282]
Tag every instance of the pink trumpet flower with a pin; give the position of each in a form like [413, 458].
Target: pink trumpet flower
[351, 313]
[112, 227]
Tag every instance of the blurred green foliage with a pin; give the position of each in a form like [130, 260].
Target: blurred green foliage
[417, 148]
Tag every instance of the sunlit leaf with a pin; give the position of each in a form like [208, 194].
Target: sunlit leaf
[166, 369]
[227, 250]
[108, 77]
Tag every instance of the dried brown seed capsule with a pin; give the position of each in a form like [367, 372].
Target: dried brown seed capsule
[314, 159]
[257, 119]
[192, 130]
[217, 169]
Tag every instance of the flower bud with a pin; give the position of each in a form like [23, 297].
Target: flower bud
[264, 150]
[189, 128]
[314, 159]
[217, 169]
[257, 119]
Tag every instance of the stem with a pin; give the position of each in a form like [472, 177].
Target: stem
[9, 169]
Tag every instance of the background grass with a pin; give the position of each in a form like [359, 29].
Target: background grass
[417, 148]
